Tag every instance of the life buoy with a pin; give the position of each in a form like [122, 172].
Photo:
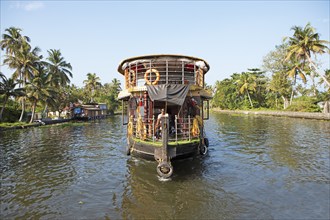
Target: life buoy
[146, 76]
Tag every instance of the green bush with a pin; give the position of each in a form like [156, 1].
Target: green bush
[304, 104]
[11, 115]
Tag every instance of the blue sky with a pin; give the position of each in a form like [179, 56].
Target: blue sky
[94, 36]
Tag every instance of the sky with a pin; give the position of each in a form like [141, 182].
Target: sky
[95, 36]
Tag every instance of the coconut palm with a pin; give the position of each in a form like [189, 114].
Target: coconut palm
[304, 42]
[59, 72]
[23, 62]
[91, 84]
[59, 69]
[327, 76]
[294, 71]
[246, 83]
[8, 89]
[39, 88]
[13, 40]
[280, 85]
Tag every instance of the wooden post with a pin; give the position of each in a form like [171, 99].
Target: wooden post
[165, 129]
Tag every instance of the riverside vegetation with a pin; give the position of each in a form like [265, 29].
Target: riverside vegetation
[289, 79]
[39, 85]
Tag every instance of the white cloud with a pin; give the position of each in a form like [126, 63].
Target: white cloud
[29, 5]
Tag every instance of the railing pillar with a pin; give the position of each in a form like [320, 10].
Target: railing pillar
[165, 128]
[176, 128]
[182, 72]
[153, 128]
[189, 126]
[166, 71]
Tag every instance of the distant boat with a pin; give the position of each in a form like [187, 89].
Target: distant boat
[174, 84]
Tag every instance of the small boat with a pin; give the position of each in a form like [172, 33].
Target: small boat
[164, 105]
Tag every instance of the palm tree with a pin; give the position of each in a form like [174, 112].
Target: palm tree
[23, 61]
[19, 56]
[13, 40]
[91, 84]
[8, 89]
[327, 76]
[246, 83]
[39, 88]
[59, 72]
[116, 86]
[59, 69]
[305, 42]
[281, 86]
[293, 72]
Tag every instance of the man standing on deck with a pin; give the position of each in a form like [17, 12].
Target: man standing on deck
[158, 126]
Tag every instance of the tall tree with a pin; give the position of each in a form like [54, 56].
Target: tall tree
[19, 56]
[305, 42]
[247, 83]
[8, 88]
[59, 69]
[39, 88]
[59, 74]
[281, 86]
[91, 84]
[293, 72]
[23, 62]
[12, 40]
[327, 76]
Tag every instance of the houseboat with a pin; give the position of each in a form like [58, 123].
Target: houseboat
[164, 105]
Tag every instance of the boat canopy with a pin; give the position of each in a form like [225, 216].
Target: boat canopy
[171, 93]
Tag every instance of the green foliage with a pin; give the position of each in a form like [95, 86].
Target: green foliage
[10, 114]
[242, 91]
[304, 104]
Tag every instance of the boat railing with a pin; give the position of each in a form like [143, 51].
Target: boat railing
[163, 72]
[180, 129]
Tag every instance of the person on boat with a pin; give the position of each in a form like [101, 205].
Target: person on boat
[158, 126]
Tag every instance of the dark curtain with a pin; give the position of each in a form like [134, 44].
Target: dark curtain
[172, 93]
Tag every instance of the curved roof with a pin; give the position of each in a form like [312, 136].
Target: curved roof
[158, 56]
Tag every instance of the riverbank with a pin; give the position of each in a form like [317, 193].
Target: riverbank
[306, 115]
[9, 126]
[15, 125]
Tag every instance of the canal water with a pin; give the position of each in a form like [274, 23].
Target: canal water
[257, 167]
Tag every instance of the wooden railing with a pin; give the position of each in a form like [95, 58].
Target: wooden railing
[180, 129]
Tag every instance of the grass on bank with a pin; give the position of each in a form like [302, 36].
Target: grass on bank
[14, 124]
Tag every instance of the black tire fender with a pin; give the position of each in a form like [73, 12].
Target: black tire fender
[165, 169]
[206, 142]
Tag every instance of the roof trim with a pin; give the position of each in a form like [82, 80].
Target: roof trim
[157, 56]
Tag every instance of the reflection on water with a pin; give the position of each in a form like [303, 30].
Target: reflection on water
[257, 167]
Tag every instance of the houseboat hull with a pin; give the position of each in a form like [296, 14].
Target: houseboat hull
[174, 150]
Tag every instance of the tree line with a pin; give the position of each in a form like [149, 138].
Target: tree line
[44, 84]
[283, 81]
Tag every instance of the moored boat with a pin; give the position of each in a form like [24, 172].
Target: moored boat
[164, 105]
